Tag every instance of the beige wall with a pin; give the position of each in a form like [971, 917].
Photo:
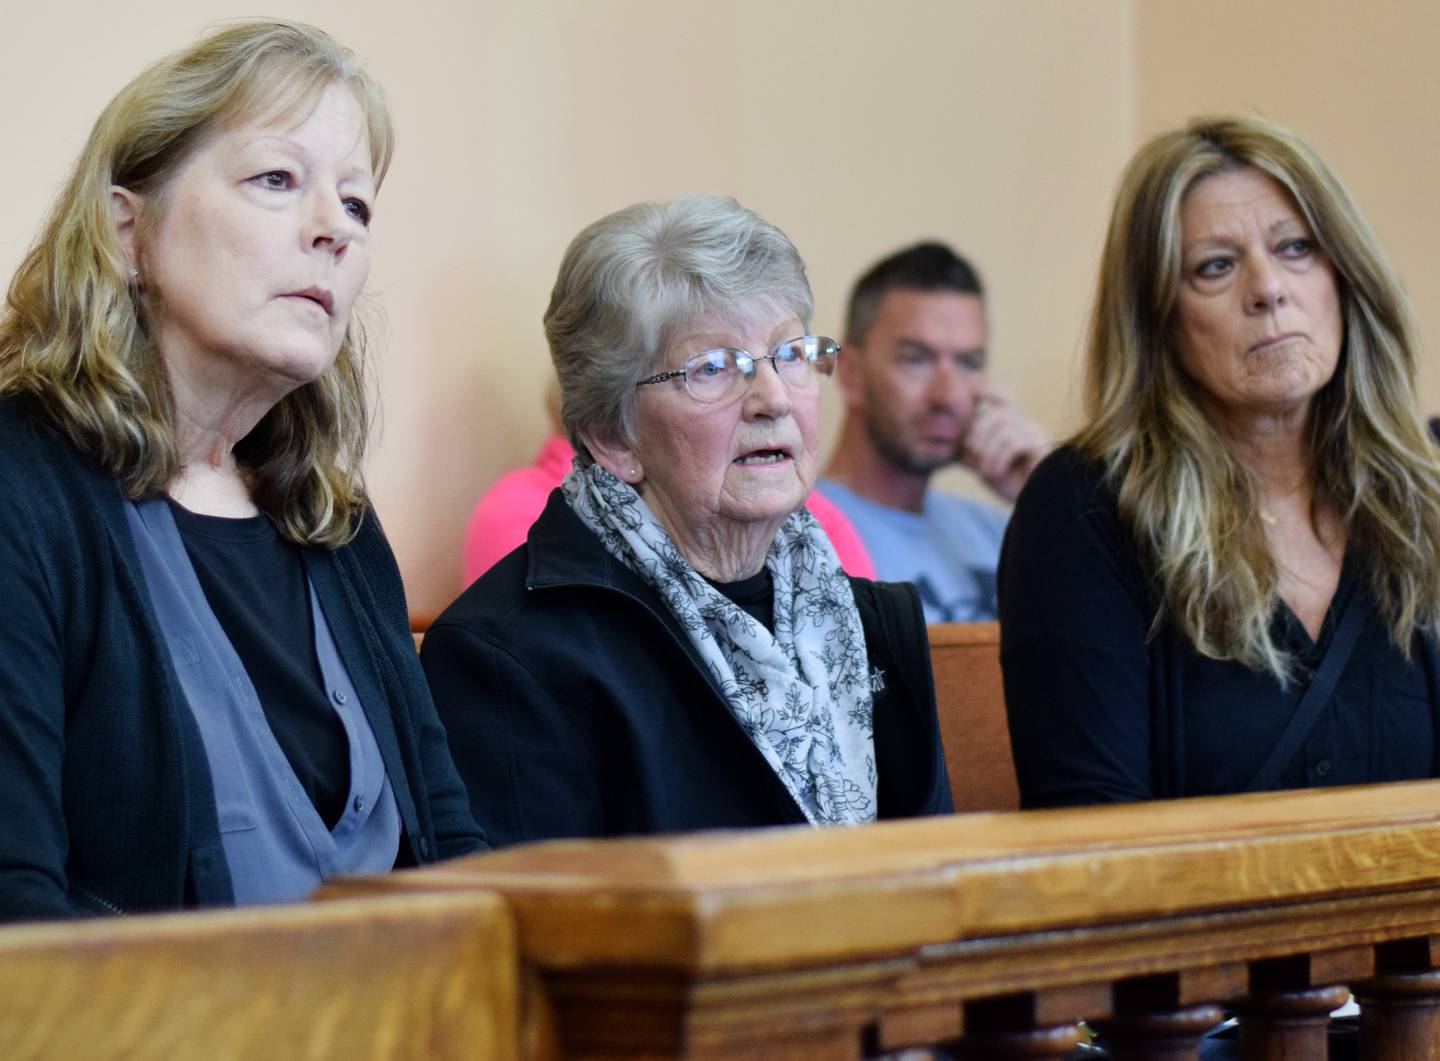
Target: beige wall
[999, 125]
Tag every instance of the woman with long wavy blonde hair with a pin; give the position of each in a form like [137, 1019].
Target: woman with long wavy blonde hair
[1228, 581]
[208, 689]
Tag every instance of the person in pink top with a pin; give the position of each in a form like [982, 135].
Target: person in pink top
[502, 518]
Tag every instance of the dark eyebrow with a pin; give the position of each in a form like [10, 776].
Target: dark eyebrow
[915, 344]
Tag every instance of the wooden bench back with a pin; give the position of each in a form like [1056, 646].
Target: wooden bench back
[425, 977]
[971, 699]
[418, 625]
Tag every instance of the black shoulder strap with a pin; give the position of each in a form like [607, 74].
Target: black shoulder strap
[1307, 712]
[909, 756]
[888, 612]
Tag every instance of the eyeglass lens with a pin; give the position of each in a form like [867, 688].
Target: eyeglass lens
[719, 374]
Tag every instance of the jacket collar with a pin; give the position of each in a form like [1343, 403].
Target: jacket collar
[565, 552]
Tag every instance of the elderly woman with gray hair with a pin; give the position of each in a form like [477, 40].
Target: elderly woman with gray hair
[676, 647]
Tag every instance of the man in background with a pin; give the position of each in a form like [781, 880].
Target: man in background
[913, 375]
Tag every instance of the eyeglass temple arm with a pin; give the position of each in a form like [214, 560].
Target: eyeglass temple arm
[662, 377]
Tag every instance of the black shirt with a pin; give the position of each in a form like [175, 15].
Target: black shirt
[1101, 711]
[255, 583]
[755, 596]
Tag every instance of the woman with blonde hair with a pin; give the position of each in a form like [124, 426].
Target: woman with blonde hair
[1227, 581]
[208, 691]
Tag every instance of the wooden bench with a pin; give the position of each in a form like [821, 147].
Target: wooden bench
[418, 625]
[433, 977]
[971, 700]
[995, 932]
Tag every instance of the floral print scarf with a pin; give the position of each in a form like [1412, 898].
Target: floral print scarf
[802, 694]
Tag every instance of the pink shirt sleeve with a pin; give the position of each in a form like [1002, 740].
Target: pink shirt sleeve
[854, 557]
[502, 518]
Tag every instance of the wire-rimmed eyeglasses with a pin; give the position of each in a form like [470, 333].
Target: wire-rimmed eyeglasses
[715, 375]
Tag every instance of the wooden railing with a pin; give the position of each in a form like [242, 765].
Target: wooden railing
[993, 932]
[990, 933]
[375, 978]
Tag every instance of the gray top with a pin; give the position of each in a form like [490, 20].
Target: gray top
[950, 549]
[275, 841]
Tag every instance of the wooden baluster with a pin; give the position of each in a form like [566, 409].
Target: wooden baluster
[1288, 1025]
[1400, 1017]
[1173, 1036]
[1400, 1008]
[1157, 1018]
[1026, 1025]
[1033, 1042]
[1285, 1017]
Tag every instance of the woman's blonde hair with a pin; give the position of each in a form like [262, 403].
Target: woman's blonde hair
[73, 335]
[1193, 508]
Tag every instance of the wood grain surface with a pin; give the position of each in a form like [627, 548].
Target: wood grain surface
[424, 977]
[777, 897]
[997, 931]
[970, 697]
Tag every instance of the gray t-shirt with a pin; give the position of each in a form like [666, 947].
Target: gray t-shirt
[950, 550]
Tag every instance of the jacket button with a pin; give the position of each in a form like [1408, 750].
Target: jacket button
[339, 695]
[1322, 768]
[359, 804]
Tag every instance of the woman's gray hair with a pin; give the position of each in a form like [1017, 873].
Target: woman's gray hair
[634, 279]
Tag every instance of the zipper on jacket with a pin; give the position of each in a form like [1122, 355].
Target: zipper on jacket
[101, 905]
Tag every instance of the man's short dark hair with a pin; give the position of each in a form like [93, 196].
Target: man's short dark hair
[924, 267]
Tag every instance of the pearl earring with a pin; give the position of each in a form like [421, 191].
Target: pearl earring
[134, 272]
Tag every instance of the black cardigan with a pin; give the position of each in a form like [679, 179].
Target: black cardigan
[1104, 709]
[106, 802]
[576, 705]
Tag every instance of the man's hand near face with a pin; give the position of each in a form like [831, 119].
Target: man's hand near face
[1001, 445]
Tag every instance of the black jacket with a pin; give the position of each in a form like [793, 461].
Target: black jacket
[1107, 706]
[106, 801]
[576, 705]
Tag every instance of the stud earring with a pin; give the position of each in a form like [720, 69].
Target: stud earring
[134, 272]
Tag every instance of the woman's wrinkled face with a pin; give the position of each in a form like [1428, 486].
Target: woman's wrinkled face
[702, 467]
[1258, 319]
[262, 247]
